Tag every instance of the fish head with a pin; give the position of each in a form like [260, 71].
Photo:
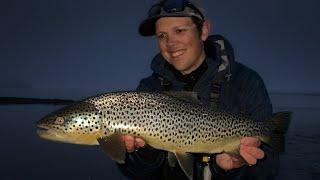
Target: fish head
[79, 123]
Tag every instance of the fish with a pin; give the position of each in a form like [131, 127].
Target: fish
[175, 122]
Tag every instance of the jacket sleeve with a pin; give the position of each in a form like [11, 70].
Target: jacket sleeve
[253, 97]
[147, 161]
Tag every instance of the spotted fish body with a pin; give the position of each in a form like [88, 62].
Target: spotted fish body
[170, 123]
[165, 121]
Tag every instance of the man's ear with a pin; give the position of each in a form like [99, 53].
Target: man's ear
[206, 27]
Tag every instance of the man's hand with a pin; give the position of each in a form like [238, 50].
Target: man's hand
[249, 151]
[132, 143]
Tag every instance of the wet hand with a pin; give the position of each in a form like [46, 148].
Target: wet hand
[249, 151]
[132, 143]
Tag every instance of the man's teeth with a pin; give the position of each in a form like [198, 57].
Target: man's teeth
[178, 53]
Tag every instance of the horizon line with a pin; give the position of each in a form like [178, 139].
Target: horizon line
[295, 93]
[58, 101]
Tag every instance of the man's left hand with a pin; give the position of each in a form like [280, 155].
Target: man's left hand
[249, 151]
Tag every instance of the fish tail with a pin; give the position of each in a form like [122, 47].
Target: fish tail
[279, 125]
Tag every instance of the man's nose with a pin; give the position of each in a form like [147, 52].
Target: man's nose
[172, 41]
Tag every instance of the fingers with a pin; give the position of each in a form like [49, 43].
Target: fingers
[254, 152]
[139, 142]
[250, 141]
[228, 162]
[132, 143]
[251, 160]
[251, 154]
[237, 162]
[250, 151]
[129, 143]
[224, 161]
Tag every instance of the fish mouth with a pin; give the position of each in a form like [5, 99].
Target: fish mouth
[54, 135]
[41, 130]
[49, 134]
[44, 132]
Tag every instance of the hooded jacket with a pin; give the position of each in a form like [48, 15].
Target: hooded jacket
[236, 88]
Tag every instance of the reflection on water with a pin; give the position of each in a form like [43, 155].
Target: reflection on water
[24, 155]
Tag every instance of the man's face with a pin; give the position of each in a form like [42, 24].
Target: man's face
[180, 43]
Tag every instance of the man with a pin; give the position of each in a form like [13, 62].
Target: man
[191, 60]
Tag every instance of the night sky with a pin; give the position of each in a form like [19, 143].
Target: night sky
[77, 48]
[72, 49]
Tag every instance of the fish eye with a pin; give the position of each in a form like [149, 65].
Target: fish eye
[59, 120]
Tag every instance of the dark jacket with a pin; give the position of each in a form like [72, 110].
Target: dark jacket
[244, 91]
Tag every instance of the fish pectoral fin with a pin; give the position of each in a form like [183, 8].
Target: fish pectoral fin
[172, 160]
[186, 163]
[114, 147]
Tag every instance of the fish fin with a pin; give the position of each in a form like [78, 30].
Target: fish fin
[234, 152]
[114, 147]
[172, 160]
[186, 163]
[188, 96]
[279, 125]
[280, 121]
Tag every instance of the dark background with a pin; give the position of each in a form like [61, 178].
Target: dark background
[71, 49]
[76, 48]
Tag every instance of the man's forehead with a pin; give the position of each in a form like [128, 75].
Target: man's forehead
[172, 22]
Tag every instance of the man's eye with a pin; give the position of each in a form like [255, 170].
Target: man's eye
[180, 30]
[161, 36]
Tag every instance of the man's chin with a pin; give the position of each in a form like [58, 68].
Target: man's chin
[181, 69]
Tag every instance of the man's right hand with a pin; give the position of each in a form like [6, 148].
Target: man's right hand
[249, 150]
[132, 143]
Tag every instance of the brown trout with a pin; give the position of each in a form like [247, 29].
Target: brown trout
[170, 121]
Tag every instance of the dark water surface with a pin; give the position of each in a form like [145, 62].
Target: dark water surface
[301, 159]
[23, 155]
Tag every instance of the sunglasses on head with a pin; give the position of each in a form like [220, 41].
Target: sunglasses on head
[172, 6]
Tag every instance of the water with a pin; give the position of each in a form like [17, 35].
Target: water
[301, 159]
[23, 155]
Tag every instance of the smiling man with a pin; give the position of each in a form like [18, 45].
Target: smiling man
[180, 43]
[191, 60]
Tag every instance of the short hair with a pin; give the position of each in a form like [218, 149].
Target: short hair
[199, 24]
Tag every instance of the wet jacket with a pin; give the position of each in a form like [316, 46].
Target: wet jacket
[242, 90]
